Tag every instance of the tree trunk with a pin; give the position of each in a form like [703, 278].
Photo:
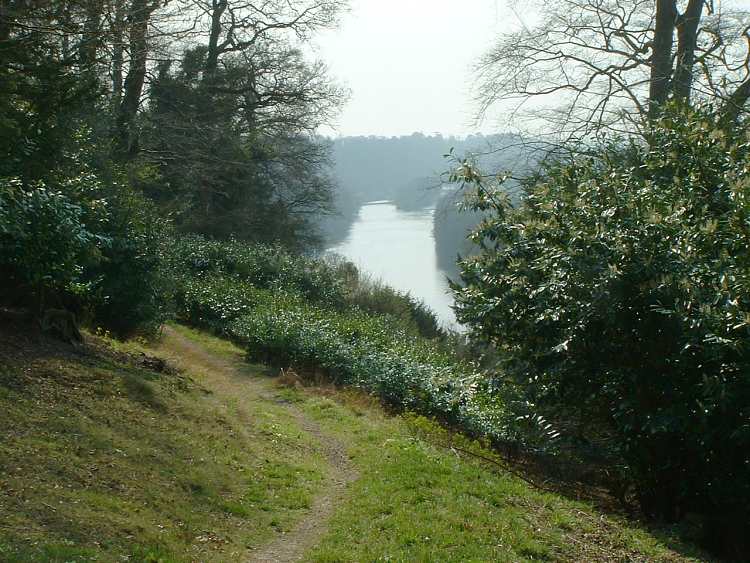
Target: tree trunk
[687, 38]
[734, 106]
[212, 57]
[117, 55]
[140, 12]
[5, 11]
[63, 16]
[661, 57]
[87, 50]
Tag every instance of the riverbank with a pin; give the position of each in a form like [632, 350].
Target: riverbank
[398, 248]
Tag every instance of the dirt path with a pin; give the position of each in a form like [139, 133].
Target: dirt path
[226, 382]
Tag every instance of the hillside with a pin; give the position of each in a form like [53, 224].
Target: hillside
[211, 459]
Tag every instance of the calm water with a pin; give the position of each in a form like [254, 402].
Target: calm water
[398, 247]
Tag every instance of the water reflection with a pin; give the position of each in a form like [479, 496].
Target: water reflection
[398, 247]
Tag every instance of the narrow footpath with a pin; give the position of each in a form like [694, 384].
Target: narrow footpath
[229, 385]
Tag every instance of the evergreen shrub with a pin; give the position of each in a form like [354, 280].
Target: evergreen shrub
[618, 292]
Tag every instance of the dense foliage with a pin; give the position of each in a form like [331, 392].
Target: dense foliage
[220, 134]
[295, 311]
[43, 241]
[81, 240]
[223, 167]
[618, 293]
[103, 156]
[331, 282]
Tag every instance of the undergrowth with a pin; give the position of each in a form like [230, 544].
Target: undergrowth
[293, 311]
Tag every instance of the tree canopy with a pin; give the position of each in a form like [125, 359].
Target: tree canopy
[585, 67]
[211, 106]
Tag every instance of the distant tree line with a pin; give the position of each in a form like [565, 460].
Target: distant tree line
[405, 170]
[410, 171]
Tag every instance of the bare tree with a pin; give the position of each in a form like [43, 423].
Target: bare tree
[232, 26]
[279, 91]
[227, 29]
[590, 66]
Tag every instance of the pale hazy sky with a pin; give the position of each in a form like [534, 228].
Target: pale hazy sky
[407, 63]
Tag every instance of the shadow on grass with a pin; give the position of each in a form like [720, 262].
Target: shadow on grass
[142, 391]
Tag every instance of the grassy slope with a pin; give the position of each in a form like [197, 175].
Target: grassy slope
[419, 501]
[101, 458]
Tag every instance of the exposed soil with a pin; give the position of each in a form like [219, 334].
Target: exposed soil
[226, 382]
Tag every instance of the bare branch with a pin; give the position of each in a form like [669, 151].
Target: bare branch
[594, 66]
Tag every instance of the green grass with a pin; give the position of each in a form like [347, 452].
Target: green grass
[416, 501]
[218, 346]
[101, 460]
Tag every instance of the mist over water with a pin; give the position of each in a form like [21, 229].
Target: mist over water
[398, 247]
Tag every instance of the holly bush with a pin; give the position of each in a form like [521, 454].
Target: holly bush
[285, 328]
[44, 244]
[328, 281]
[618, 292]
[86, 242]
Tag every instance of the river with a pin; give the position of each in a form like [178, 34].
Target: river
[398, 247]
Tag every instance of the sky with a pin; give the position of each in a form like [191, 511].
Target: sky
[407, 63]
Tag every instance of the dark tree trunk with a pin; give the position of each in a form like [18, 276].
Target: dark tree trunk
[140, 13]
[734, 106]
[661, 57]
[5, 15]
[63, 15]
[687, 38]
[117, 54]
[88, 49]
[212, 57]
